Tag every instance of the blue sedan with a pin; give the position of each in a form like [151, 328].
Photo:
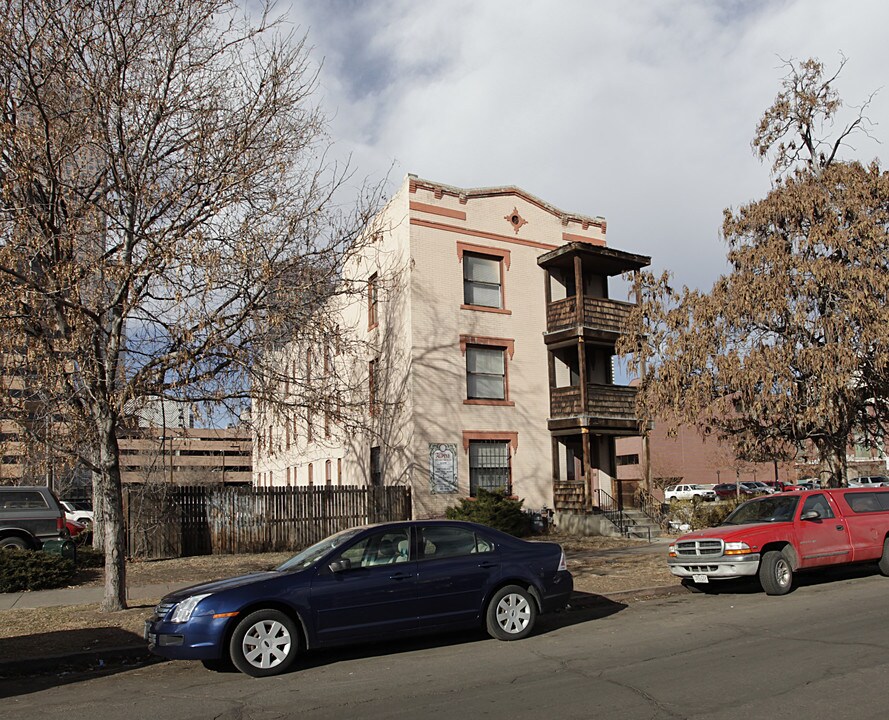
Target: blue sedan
[380, 581]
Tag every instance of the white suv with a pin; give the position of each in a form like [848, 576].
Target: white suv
[869, 481]
[688, 492]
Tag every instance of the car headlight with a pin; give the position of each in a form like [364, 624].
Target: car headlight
[737, 548]
[184, 609]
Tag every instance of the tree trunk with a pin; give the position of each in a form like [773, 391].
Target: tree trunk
[115, 595]
[833, 460]
[98, 514]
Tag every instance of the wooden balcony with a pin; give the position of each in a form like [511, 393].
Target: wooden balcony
[610, 409]
[599, 314]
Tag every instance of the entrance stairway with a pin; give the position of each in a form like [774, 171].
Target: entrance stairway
[638, 525]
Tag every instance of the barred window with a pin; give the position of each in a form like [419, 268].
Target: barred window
[489, 466]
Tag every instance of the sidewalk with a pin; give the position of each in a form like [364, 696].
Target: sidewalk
[81, 595]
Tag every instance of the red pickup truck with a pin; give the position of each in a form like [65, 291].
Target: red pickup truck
[776, 535]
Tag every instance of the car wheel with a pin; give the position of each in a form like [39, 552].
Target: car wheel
[696, 498]
[511, 613]
[264, 643]
[775, 573]
[14, 542]
[884, 559]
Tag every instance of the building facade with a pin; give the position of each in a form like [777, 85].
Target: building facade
[488, 336]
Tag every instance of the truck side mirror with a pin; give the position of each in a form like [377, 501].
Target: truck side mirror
[811, 515]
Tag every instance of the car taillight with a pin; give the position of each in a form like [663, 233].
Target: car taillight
[563, 563]
[60, 523]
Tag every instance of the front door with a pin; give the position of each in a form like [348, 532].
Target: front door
[823, 540]
[375, 595]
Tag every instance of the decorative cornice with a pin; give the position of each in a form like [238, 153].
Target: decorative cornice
[482, 234]
[437, 210]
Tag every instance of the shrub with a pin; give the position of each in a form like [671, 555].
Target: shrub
[698, 515]
[29, 570]
[494, 509]
[89, 557]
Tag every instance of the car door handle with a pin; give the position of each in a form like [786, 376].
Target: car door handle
[401, 576]
[840, 527]
[487, 564]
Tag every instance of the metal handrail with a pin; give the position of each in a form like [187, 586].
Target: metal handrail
[609, 506]
[652, 507]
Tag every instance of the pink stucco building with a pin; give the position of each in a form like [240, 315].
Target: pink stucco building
[489, 336]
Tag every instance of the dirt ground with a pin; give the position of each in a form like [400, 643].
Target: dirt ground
[596, 563]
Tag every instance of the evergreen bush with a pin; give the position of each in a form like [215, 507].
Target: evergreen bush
[494, 509]
[29, 570]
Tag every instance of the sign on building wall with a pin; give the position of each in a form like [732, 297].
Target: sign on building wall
[443, 467]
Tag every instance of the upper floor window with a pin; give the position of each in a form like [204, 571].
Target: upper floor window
[372, 386]
[372, 299]
[482, 281]
[485, 373]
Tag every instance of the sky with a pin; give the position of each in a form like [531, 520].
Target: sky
[641, 112]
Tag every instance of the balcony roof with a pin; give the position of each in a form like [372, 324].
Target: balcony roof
[606, 259]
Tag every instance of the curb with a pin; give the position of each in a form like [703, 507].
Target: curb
[624, 596]
[98, 660]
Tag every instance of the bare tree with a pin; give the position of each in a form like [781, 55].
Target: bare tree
[792, 345]
[168, 213]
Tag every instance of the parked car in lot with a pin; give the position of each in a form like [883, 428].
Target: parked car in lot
[726, 491]
[808, 483]
[869, 481]
[29, 516]
[775, 536]
[776, 485]
[78, 511]
[757, 488]
[74, 527]
[367, 583]
[688, 492]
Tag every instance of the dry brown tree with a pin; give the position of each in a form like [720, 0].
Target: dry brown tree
[168, 214]
[791, 346]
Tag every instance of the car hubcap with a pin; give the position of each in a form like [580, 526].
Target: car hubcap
[782, 573]
[513, 613]
[266, 644]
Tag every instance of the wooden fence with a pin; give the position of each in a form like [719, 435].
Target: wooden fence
[167, 521]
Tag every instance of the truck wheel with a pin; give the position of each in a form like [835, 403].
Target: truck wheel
[775, 573]
[14, 542]
[884, 560]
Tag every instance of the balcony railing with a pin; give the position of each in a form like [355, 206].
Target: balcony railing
[598, 313]
[616, 402]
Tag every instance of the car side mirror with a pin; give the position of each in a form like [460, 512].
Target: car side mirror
[340, 565]
[811, 515]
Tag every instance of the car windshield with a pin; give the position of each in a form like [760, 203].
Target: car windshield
[311, 554]
[770, 509]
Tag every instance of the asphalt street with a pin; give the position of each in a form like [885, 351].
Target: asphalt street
[820, 652]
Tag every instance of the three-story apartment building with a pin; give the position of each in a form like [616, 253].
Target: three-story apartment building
[488, 336]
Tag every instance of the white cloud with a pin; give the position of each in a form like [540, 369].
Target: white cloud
[642, 112]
